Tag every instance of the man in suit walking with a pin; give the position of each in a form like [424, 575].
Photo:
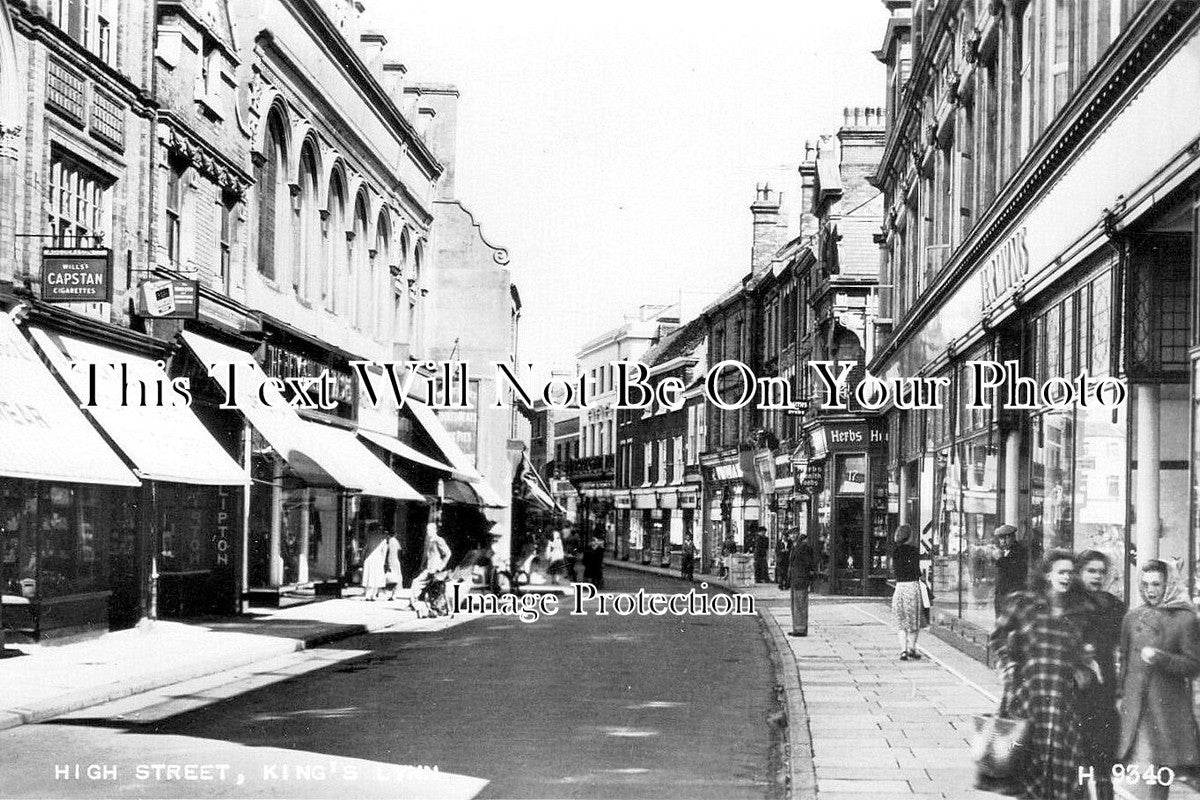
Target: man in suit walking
[800, 574]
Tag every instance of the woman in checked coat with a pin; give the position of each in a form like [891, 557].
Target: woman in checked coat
[1039, 640]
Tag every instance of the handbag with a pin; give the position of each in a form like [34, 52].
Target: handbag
[998, 746]
[926, 595]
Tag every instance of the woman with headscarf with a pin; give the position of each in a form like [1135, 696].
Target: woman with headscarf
[1039, 642]
[1160, 654]
[906, 599]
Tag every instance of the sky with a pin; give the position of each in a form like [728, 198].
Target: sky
[614, 148]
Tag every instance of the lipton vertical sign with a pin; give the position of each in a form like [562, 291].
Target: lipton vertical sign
[77, 275]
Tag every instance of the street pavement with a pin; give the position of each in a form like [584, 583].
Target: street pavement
[568, 706]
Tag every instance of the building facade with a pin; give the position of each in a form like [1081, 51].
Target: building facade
[656, 493]
[211, 197]
[1040, 188]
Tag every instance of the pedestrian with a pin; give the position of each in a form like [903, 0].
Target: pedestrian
[555, 557]
[687, 559]
[374, 569]
[1012, 565]
[593, 563]
[434, 558]
[762, 546]
[1101, 725]
[393, 576]
[906, 599]
[1039, 645]
[570, 552]
[801, 564]
[782, 554]
[1160, 654]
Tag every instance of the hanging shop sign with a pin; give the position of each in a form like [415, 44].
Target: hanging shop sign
[846, 437]
[77, 275]
[169, 298]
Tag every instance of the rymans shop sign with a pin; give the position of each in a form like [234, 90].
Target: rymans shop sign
[77, 275]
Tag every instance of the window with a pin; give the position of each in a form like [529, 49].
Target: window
[308, 237]
[272, 193]
[64, 89]
[647, 456]
[108, 119]
[76, 203]
[174, 204]
[1023, 42]
[663, 464]
[360, 287]
[87, 22]
[227, 232]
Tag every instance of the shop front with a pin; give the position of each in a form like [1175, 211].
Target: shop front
[319, 494]
[189, 510]
[66, 503]
[850, 512]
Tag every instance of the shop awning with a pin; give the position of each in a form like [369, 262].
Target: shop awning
[165, 443]
[445, 442]
[394, 445]
[537, 494]
[43, 434]
[322, 455]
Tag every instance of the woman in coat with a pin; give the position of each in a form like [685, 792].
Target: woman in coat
[1160, 654]
[1099, 722]
[1039, 642]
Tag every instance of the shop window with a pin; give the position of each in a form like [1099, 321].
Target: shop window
[1159, 325]
[72, 551]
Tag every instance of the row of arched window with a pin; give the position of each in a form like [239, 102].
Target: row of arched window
[328, 247]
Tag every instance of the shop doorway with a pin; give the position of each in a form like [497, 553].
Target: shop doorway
[849, 533]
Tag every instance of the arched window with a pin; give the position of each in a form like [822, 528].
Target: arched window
[400, 312]
[333, 290]
[308, 236]
[359, 268]
[414, 294]
[381, 276]
[271, 179]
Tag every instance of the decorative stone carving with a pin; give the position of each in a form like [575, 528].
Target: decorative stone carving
[205, 163]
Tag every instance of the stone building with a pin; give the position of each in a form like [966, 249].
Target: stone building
[1040, 192]
[236, 183]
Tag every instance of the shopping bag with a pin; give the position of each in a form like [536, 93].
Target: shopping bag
[998, 746]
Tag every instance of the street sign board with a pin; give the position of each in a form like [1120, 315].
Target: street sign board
[77, 275]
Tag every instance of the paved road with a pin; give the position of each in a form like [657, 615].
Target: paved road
[568, 706]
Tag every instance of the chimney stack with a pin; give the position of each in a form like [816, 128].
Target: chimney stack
[862, 135]
[770, 231]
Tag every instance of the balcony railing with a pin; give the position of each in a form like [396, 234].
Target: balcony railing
[591, 466]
